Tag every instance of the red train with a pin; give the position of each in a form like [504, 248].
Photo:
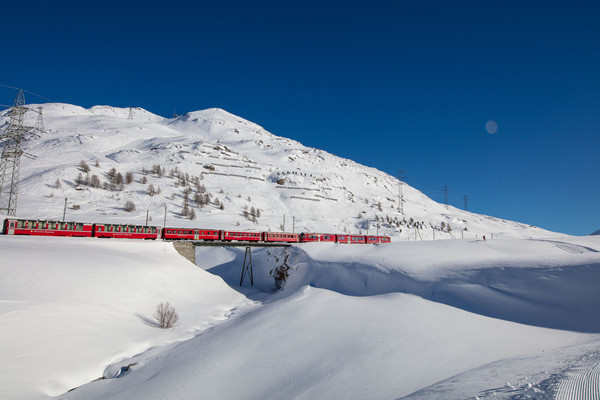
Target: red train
[13, 226]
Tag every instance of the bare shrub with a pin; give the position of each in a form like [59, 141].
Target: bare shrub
[165, 315]
[129, 206]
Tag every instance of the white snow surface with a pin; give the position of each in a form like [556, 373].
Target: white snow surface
[433, 319]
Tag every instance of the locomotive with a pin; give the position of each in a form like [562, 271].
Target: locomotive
[13, 226]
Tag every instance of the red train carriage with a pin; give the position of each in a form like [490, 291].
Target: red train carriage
[13, 226]
[127, 231]
[191, 234]
[342, 238]
[241, 236]
[372, 239]
[280, 237]
[384, 239]
[316, 237]
[357, 239]
[46, 228]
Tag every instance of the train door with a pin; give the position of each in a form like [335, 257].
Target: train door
[10, 227]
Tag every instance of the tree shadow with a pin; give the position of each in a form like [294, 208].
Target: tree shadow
[147, 321]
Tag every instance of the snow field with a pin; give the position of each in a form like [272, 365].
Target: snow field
[74, 310]
[72, 307]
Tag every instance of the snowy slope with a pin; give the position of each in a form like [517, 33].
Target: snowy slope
[71, 308]
[225, 167]
[443, 319]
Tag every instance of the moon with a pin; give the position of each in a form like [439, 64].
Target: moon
[491, 127]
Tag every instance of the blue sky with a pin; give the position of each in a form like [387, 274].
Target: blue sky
[390, 84]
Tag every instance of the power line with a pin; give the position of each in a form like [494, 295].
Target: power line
[27, 91]
[9, 87]
[41, 97]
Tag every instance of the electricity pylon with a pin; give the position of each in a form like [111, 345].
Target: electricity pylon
[10, 159]
[446, 190]
[400, 195]
[39, 122]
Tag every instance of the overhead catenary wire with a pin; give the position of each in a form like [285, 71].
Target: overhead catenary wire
[27, 91]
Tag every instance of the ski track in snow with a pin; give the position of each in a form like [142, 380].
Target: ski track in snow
[580, 384]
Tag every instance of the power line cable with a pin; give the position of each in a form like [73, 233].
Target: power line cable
[28, 91]
[9, 87]
[40, 96]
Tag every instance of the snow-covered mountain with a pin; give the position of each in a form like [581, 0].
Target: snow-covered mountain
[231, 173]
